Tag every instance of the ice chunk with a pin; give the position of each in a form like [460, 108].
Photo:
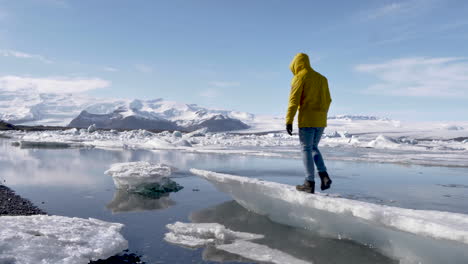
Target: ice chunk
[143, 177]
[194, 235]
[92, 128]
[182, 143]
[197, 133]
[58, 239]
[200, 234]
[383, 142]
[369, 224]
[177, 134]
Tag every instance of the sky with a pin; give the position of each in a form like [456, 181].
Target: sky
[405, 60]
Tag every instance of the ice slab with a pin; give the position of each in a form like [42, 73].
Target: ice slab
[194, 235]
[405, 234]
[143, 177]
[382, 140]
[298, 242]
[58, 239]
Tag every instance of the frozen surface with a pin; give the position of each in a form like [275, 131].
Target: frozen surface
[375, 140]
[58, 239]
[406, 234]
[196, 235]
[140, 175]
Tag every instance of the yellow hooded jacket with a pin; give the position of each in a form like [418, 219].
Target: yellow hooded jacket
[309, 94]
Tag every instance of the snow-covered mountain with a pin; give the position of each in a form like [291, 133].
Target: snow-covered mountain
[77, 110]
[356, 117]
[28, 107]
[162, 115]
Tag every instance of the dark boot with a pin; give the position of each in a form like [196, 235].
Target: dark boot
[325, 179]
[308, 187]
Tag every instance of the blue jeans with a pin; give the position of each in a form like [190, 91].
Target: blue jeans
[310, 138]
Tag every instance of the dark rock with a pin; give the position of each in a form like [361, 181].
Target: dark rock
[115, 120]
[219, 123]
[12, 204]
[6, 126]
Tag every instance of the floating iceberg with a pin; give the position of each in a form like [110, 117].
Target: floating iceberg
[380, 139]
[143, 177]
[412, 236]
[58, 239]
[194, 235]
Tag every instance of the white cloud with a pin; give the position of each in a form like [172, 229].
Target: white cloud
[110, 69]
[396, 8]
[209, 93]
[51, 84]
[224, 84]
[419, 76]
[386, 10]
[23, 55]
[143, 68]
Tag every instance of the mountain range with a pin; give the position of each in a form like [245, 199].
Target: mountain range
[26, 107]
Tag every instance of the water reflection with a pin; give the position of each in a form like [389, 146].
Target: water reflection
[211, 253]
[132, 202]
[303, 244]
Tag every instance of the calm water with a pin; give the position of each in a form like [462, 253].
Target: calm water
[71, 182]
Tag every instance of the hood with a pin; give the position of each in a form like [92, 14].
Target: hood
[300, 62]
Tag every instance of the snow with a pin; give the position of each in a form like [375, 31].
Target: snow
[58, 239]
[390, 229]
[194, 235]
[142, 176]
[92, 128]
[31, 107]
[371, 140]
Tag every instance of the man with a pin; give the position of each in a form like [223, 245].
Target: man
[309, 94]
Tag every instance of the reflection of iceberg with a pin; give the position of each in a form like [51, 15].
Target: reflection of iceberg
[129, 202]
[411, 236]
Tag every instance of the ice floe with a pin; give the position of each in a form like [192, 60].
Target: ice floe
[143, 177]
[445, 147]
[58, 239]
[405, 234]
[298, 242]
[195, 235]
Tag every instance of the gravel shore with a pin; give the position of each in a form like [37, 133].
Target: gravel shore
[13, 204]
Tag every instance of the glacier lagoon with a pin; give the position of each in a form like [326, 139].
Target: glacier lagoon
[71, 182]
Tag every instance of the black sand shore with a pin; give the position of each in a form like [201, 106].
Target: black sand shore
[13, 204]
